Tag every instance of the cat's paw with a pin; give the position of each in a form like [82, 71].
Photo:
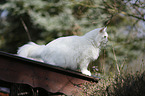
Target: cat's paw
[86, 72]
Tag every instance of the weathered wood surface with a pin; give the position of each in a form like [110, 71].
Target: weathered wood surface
[16, 69]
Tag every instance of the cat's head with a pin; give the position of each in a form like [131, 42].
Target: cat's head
[97, 36]
[103, 36]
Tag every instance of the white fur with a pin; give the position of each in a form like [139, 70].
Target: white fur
[68, 52]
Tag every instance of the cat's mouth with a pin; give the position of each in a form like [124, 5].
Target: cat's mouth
[104, 42]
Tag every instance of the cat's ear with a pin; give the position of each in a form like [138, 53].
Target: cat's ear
[103, 29]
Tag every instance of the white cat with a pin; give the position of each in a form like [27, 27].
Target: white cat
[73, 52]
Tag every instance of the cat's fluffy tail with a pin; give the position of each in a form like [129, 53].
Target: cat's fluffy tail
[31, 50]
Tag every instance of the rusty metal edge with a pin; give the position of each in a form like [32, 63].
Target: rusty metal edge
[50, 67]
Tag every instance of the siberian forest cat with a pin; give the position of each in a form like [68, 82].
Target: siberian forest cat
[73, 52]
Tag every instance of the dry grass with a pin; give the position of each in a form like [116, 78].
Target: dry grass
[128, 81]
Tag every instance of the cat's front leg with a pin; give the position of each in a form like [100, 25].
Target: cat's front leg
[83, 67]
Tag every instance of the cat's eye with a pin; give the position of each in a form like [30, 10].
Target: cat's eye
[105, 36]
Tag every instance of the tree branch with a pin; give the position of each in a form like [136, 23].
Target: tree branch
[137, 17]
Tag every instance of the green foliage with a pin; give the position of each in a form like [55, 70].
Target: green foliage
[51, 19]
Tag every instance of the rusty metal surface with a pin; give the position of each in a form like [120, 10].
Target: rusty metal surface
[53, 79]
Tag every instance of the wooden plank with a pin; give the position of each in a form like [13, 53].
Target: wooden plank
[37, 74]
